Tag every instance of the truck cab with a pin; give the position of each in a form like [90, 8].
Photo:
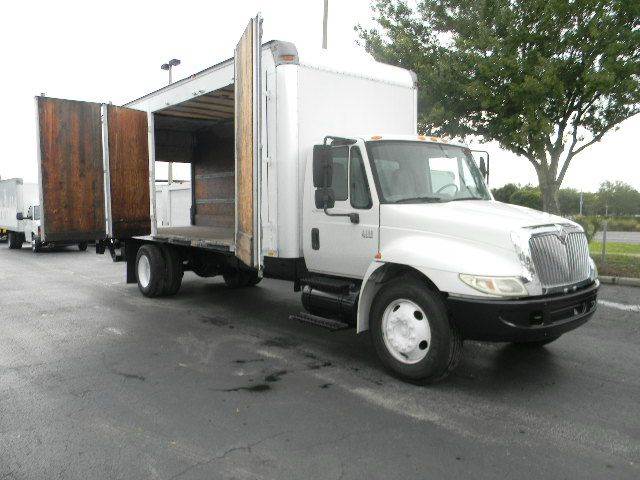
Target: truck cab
[436, 259]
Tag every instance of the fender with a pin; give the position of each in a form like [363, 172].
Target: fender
[440, 259]
[368, 290]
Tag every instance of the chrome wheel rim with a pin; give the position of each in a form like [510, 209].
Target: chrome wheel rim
[144, 271]
[406, 331]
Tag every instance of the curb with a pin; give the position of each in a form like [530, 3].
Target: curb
[628, 282]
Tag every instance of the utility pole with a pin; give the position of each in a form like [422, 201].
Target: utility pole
[174, 62]
[581, 201]
[324, 24]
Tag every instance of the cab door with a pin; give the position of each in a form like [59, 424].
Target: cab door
[93, 171]
[334, 245]
[248, 128]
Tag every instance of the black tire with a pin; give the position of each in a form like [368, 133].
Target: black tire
[82, 246]
[537, 343]
[241, 278]
[174, 271]
[36, 244]
[15, 240]
[445, 350]
[153, 285]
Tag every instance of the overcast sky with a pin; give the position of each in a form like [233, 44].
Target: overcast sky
[112, 51]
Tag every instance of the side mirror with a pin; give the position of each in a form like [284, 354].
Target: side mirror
[322, 166]
[483, 168]
[19, 216]
[325, 198]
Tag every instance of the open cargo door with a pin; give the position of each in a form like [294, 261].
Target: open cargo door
[94, 171]
[248, 119]
[70, 160]
[128, 157]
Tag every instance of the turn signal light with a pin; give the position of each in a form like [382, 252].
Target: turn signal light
[376, 137]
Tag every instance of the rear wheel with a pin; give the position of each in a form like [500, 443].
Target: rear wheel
[150, 270]
[241, 278]
[411, 332]
[15, 240]
[174, 271]
[82, 246]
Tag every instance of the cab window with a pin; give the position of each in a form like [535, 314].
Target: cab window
[339, 181]
[358, 186]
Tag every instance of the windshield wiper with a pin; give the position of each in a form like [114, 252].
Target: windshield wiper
[468, 198]
[419, 199]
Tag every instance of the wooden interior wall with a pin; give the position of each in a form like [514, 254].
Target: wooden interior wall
[174, 145]
[214, 182]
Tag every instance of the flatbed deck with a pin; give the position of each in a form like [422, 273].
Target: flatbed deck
[216, 238]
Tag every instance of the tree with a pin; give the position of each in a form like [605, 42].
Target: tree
[527, 196]
[569, 201]
[544, 78]
[618, 198]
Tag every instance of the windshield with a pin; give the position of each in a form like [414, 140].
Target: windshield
[419, 172]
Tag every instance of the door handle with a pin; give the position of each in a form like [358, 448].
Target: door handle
[354, 217]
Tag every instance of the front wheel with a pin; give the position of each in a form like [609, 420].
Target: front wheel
[82, 246]
[411, 332]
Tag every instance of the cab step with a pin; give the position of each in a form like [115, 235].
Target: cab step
[328, 323]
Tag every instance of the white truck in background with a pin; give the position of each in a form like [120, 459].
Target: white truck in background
[173, 203]
[308, 167]
[20, 215]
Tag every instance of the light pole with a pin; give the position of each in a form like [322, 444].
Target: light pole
[325, 19]
[174, 62]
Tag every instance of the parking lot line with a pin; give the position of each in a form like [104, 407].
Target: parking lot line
[620, 306]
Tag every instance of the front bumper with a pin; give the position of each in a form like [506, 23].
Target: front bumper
[523, 320]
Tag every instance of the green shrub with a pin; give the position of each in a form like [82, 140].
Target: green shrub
[591, 225]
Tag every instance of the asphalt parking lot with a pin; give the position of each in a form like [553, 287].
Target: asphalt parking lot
[98, 382]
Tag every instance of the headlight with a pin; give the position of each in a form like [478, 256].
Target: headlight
[593, 268]
[500, 286]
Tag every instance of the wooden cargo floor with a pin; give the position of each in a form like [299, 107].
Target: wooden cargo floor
[214, 236]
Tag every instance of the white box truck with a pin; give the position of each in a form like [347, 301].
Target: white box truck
[308, 167]
[20, 216]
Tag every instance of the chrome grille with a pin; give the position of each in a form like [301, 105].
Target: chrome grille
[561, 259]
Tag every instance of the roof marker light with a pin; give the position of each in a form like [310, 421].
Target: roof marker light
[376, 137]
